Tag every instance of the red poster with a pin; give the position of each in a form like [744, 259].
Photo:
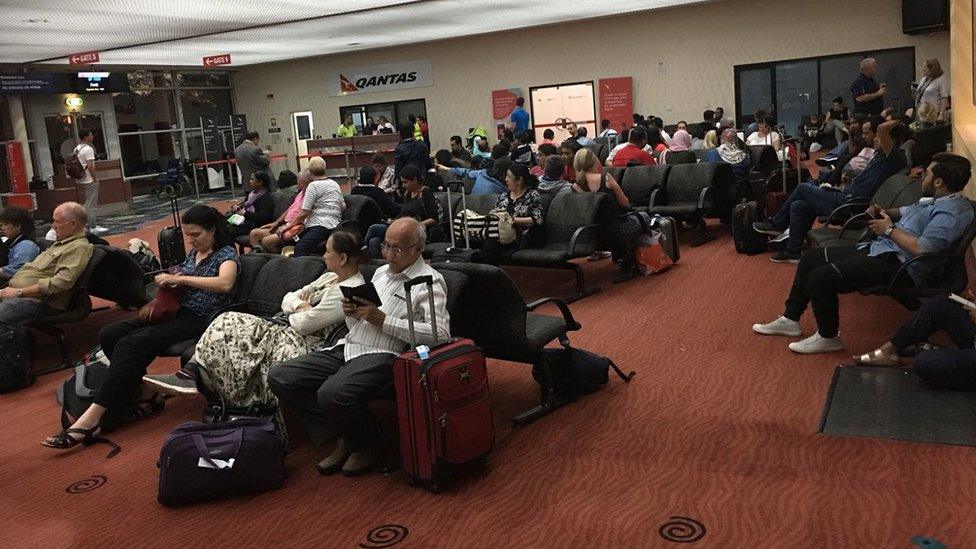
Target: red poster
[503, 103]
[617, 101]
[15, 166]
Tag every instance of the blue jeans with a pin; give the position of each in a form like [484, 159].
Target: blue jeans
[312, 241]
[801, 210]
[19, 309]
[374, 239]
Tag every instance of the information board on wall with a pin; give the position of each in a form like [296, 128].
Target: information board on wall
[238, 128]
[212, 142]
[502, 105]
[38, 82]
[555, 107]
[617, 101]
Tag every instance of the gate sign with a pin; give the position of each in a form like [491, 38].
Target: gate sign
[83, 58]
[390, 76]
[216, 60]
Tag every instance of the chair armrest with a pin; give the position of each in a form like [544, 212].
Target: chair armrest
[40, 310]
[849, 205]
[904, 266]
[576, 235]
[847, 224]
[705, 198]
[571, 323]
[239, 307]
[654, 195]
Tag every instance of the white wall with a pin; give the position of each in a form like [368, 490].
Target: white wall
[699, 46]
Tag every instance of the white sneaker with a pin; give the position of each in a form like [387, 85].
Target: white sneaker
[782, 326]
[781, 236]
[817, 344]
[597, 256]
[98, 229]
[814, 147]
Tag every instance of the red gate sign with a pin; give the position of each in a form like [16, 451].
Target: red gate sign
[83, 58]
[216, 60]
[617, 101]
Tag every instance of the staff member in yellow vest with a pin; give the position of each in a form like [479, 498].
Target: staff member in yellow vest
[347, 128]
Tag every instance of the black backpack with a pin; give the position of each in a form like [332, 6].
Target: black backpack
[78, 393]
[15, 358]
[577, 372]
[747, 240]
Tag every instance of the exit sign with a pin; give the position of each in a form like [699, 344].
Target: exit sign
[216, 60]
[83, 58]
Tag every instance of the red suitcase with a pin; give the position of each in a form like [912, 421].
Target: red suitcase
[443, 404]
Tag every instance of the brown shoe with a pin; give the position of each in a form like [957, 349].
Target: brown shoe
[334, 462]
[360, 462]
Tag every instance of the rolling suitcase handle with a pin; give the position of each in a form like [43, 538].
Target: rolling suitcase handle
[429, 281]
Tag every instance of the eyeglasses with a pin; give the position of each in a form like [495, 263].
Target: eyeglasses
[396, 250]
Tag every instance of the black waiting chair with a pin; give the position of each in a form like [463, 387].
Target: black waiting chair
[640, 181]
[954, 278]
[928, 142]
[360, 212]
[441, 238]
[49, 320]
[898, 190]
[575, 225]
[492, 312]
[763, 159]
[687, 196]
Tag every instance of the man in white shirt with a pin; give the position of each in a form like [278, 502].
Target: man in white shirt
[321, 211]
[329, 389]
[89, 183]
[606, 130]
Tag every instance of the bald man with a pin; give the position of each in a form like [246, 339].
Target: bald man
[46, 282]
[321, 211]
[329, 389]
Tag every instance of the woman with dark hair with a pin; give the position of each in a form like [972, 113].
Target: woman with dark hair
[207, 277]
[654, 139]
[237, 349]
[366, 186]
[17, 225]
[410, 152]
[524, 203]
[257, 208]
[418, 203]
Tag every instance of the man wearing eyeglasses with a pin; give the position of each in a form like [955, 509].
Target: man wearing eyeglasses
[329, 389]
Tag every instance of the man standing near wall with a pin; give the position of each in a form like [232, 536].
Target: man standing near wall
[347, 128]
[85, 152]
[250, 159]
[520, 117]
[868, 95]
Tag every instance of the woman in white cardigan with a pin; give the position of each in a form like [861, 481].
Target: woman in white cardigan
[237, 349]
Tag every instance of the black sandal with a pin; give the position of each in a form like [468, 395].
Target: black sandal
[64, 440]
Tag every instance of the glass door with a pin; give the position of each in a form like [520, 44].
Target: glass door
[755, 92]
[796, 94]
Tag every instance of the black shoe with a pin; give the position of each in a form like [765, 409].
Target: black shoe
[776, 245]
[785, 257]
[764, 227]
[826, 161]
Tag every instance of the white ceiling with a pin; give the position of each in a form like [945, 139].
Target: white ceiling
[131, 32]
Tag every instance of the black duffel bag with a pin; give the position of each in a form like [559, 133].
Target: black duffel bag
[577, 372]
[15, 358]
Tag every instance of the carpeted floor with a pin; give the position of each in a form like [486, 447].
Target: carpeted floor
[714, 443]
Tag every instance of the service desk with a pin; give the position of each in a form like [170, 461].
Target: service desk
[114, 192]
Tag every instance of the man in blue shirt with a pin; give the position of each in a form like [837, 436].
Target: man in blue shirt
[520, 117]
[868, 95]
[931, 226]
[808, 201]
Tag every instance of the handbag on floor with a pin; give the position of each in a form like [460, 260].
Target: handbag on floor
[577, 372]
[207, 461]
[15, 358]
[651, 257]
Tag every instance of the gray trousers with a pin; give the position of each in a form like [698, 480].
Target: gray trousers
[91, 202]
[329, 395]
[838, 127]
[19, 309]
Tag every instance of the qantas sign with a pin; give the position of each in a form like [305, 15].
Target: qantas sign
[391, 76]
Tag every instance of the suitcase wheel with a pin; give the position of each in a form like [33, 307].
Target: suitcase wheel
[434, 488]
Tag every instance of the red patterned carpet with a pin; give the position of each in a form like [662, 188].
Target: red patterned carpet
[714, 442]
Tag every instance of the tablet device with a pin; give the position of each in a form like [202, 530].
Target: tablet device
[366, 291]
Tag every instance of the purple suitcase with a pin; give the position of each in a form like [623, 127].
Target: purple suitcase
[195, 462]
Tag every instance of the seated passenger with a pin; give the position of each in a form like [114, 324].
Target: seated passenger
[930, 226]
[480, 149]
[486, 181]
[267, 237]
[208, 276]
[321, 211]
[524, 203]
[730, 153]
[655, 139]
[552, 182]
[458, 151]
[581, 137]
[366, 186]
[418, 203]
[46, 281]
[384, 175]
[329, 389]
[237, 349]
[940, 368]
[545, 151]
[548, 137]
[633, 154]
[590, 177]
[711, 141]
[568, 149]
[766, 134]
[624, 141]
[680, 143]
[17, 225]
[522, 154]
[257, 208]
[809, 201]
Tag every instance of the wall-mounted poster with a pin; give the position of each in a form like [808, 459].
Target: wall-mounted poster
[617, 101]
[502, 105]
[561, 106]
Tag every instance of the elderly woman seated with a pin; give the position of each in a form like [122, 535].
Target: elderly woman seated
[237, 349]
[19, 247]
[730, 153]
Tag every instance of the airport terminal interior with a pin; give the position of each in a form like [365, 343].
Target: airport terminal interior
[441, 273]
